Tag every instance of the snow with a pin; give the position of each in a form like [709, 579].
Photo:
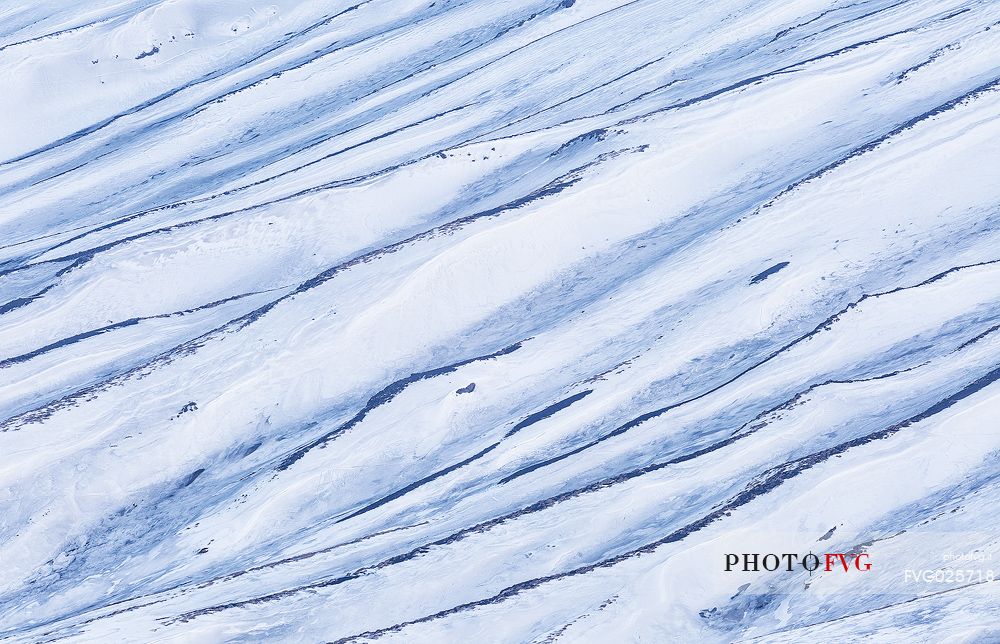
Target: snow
[724, 277]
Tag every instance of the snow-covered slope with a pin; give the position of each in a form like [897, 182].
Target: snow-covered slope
[460, 320]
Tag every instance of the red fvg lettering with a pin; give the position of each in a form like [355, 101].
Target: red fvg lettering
[844, 561]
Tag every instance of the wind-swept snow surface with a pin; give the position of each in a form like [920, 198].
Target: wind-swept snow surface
[474, 321]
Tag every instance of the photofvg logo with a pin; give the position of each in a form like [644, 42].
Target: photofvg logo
[828, 561]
